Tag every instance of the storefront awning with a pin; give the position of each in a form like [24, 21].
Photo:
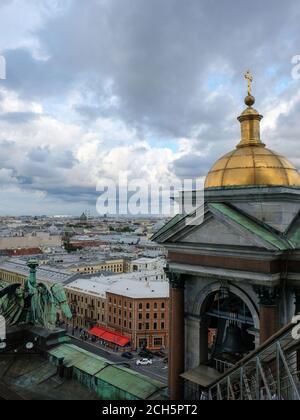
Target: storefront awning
[110, 336]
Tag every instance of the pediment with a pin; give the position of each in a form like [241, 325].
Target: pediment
[222, 225]
[215, 232]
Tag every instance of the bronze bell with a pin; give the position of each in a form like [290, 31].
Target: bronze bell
[233, 343]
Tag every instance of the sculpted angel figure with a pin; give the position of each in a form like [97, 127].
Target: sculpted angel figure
[34, 303]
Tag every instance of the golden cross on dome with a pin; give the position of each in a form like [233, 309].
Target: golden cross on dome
[249, 78]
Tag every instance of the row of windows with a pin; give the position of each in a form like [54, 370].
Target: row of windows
[120, 312]
[157, 342]
[155, 326]
[155, 316]
[119, 322]
[142, 306]
[77, 300]
[148, 306]
[141, 326]
[115, 269]
[120, 303]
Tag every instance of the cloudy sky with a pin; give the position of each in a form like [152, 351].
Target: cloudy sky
[148, 89]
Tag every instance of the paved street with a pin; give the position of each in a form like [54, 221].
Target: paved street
[158, 370]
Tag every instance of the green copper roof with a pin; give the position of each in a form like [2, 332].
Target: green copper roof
[293, 232]
[127, 380]
[168, 226]
[253, 227]
[130, 381]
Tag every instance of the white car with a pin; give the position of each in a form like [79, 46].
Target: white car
[144, 362]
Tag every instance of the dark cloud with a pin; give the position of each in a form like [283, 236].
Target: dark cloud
[160, 56]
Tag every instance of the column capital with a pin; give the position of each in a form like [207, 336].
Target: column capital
[268, 296]
[175, 279]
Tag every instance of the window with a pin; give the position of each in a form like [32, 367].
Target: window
[155, 305]
[162, 325]
[155, 316]
[140, 316]
[140, 326]
[147, 316]
[162, 316]
[143, 342]
[148, 306]
[130, 325]
[155, 326]
[163, 305]
[158, 342]
[147, 326]
[140, 306]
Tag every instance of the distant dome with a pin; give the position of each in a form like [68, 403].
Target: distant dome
[251, 163]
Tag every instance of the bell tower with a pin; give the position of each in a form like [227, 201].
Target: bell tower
[235, 277]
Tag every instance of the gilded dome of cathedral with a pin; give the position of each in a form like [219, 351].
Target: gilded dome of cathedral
[251, 163]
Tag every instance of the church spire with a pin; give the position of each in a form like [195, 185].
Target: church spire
[250, 119]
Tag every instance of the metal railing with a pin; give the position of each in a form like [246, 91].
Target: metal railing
[272, 372]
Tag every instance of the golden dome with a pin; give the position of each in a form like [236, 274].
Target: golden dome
[252, 166]
[251, 163]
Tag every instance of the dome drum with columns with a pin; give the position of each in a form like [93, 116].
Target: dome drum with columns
[251, 163]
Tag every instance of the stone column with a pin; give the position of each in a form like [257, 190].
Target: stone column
[297, 301]
[269, 321]
[203, 345]
[176, 340]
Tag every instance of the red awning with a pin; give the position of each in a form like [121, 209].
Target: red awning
[110, 336]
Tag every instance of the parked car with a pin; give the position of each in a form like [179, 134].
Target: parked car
[160, 354]
[144, 362]
[127, 355]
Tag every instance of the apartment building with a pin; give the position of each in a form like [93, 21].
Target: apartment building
[140, 313]
[113, 266]
[129, 305]
[87, 300]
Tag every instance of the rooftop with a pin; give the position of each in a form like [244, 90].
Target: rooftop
[145, 290]
[135, 285]
[44, 273]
